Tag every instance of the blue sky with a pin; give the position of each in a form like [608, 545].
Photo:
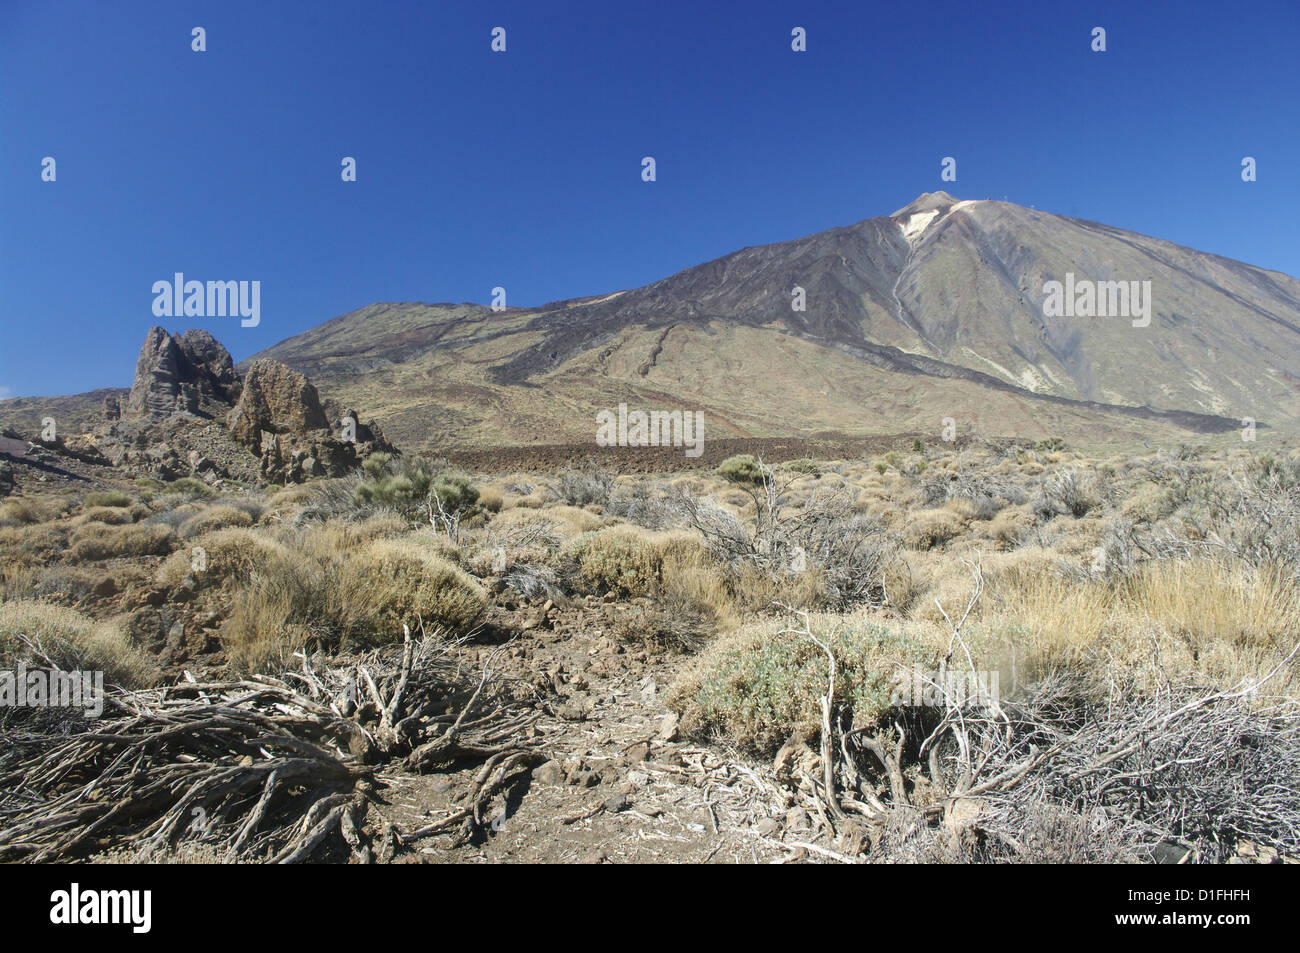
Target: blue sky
[522, 169]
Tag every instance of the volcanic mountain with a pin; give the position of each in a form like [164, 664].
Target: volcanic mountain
[933, 312]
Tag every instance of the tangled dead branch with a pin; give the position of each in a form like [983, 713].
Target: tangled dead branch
[263, 769]
[1115, 774]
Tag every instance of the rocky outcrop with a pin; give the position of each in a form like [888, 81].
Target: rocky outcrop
[279, 416]
[276, 399]
[190, 414]
[179, 374]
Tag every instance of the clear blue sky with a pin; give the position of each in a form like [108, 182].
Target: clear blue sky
[522, 169]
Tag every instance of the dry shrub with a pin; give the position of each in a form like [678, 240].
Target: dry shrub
[230, 554]
[287, 503]
[491, 499]
[533, 500]
[1007, 527]
[690, 603]
[1148, 503]
[627, 559]
[96, 541]
[330, 587]
[1196, 618]
[926, 529]
[394, 582]
[112, 515]
[214, 518]
[32, 544]
[114, 498]
[25, 511]
[73, 641]
[566, 521]
[265, 625]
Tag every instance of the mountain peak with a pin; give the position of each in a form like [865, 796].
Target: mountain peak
[928, 202]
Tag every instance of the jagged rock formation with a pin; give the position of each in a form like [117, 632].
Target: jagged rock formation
[180, 373]
[190, 414]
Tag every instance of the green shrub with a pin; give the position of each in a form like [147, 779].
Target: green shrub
[620, 559]
[803, 465]
[456, 493]
[756, 688]
[743, 469]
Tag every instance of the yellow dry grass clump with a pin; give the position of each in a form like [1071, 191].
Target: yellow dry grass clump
[72, 640]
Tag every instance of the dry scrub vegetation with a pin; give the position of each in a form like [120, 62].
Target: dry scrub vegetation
[1153, 598]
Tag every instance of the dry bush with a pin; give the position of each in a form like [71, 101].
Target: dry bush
[112, 515]
[32, 545]
[826, 539]
[25, 511]
[336, 589]
[214, 518]
[96, 541]
[690, 601]
[1007, 527]
[1190, 617]
[228, 555]
[71, 640]
[585, 487]
[625, 559]
[644, 505]
[114, 498]
[491, 499]
[1069, 491]
[533, 500]
[1148, 503]
[927, 529]
[565, 522]
[395, 583]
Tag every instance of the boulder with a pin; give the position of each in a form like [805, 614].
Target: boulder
[277, 399]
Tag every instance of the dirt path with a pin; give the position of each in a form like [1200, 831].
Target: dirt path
[620, 786]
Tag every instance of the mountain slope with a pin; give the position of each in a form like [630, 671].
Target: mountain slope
[935, 311]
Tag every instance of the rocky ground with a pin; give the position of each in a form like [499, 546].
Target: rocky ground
[620, 786]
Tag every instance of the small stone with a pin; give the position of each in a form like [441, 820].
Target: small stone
[618, 804]
[767, 827]
[552, 772]
[638, 753]
[668, 728]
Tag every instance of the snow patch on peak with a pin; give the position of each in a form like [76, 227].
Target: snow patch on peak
[916, 224]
